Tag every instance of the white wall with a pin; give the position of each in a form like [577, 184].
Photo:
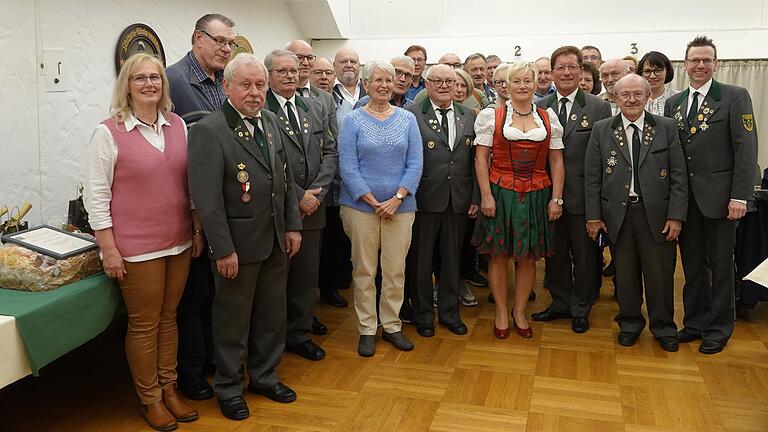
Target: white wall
[385, 27]
[45, 134]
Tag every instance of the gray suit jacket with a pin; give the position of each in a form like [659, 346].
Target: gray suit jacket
[720, 146]
[219, 147]
[330, 108]
[447, 175]
[608, 173]
[586, 110]
[312, 151]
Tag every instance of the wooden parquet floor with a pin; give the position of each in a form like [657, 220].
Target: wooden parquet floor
[556, 381]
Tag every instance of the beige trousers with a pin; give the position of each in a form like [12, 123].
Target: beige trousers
[151, 290]
[369, 235]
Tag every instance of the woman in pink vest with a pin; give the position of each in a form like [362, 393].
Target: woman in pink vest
[139, 206]
[518, 197]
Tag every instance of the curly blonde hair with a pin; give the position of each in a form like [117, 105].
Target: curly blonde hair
[121, 105]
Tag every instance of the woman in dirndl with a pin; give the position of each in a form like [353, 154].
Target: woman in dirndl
[520, 198]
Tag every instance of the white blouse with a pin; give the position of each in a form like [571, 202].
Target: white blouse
[485, 125]
[101, 160]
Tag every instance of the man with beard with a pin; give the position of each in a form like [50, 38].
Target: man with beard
[347, 89]
[312, 154]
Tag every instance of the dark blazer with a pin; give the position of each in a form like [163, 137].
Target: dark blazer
[608, 174]
[312, 152]
[447, 174]
[326, 99]
[721, 156]
[219, 147]
[586, 110]
[189, 100]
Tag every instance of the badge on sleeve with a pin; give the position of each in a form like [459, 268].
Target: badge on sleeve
[748, 121]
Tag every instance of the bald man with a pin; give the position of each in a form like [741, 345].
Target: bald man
[323, 75]
[610, 72]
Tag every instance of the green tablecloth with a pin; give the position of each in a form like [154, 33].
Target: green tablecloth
[56, 322]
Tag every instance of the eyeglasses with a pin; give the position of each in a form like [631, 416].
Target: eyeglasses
[319, 72]
[399, 73]
[418, 60]
[309, 58]
[454, 65]
[142, 79]
[220, 42]
[569, 68]
[285, 72]
[499, 83]
[704, 61]
[627, 96]
[656, 72]
[440, 82]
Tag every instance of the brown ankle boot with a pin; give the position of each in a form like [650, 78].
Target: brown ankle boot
[176, 405]
[158, 417]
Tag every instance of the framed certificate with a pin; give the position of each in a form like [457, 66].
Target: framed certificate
[52, 241]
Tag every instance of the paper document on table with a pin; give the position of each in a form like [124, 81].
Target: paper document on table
[760, 274]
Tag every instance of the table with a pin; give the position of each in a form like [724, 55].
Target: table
[50, 324]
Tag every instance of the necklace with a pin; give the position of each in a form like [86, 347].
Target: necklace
[372, 111]
[521, 114]
[153, 125]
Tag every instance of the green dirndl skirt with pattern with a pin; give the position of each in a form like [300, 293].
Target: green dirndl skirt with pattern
[520, 229]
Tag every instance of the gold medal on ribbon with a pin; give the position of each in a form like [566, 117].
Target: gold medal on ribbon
[242, 176]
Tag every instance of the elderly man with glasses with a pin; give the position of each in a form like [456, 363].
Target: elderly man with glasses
[311, 151]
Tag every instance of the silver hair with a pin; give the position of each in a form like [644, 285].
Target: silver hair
[269, 60]
[428, 73]
[403, 58]
[497, 73]
[628, 77]
[240, 60]
[371, 66]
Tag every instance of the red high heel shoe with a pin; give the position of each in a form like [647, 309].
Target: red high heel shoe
[524, 333]
[500, 333]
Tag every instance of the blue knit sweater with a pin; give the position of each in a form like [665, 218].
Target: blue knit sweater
[379, 157]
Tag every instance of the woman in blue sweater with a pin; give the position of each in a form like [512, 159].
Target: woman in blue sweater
[380, 159]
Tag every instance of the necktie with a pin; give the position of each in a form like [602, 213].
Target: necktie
[292, 116]
[636, 157]
[444, 123]
[563, 115]
[260, 140]
[693, 109]
[303, 91]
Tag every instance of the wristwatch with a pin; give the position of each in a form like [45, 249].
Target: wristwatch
[558, 201]
[399, 196]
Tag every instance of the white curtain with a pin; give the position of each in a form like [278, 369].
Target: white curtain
[750, 74]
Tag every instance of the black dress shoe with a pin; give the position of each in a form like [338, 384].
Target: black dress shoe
[425, 331]
[398, 339]
[234, 408]
[711, 347]
[580, 324]
[457, 327]
[627, 339]
[278, 392]
[334, 299]
[194, 387]
[309, 350]
[668, 343]
[549, 315]
[686, 335]
[318, 328]
[476, 279]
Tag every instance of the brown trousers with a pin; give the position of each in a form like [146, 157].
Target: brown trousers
[151, 290]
